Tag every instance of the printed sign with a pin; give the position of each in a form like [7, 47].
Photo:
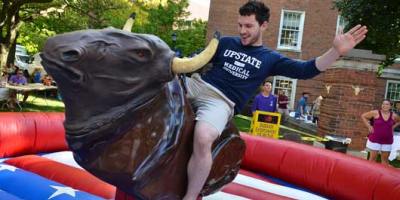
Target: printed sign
[266, 124]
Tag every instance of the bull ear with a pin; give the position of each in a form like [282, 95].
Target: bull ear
[187, 65]
[129, 23]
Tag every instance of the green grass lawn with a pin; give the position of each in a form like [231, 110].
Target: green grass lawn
[38, 103]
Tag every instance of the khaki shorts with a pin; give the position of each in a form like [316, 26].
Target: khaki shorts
[211, 105]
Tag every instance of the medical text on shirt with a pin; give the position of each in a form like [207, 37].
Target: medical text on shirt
[238, 69]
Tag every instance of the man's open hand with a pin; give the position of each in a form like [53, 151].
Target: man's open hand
[343, 43]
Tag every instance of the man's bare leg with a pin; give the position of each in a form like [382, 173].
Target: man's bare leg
[201, 160]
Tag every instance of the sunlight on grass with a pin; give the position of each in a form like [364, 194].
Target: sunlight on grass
[38, 103]
[41, 104]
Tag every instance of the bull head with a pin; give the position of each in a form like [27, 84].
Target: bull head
[127, 119]
[357, 89]
[186, 65]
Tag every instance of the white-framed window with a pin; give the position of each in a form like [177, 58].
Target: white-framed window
[341, 23]
[291, 30]
[288, 85]
[393, 91]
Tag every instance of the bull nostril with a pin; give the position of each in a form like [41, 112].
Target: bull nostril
[70, 55]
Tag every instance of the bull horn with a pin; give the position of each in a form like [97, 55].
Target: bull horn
[187, 65]
[129, 23]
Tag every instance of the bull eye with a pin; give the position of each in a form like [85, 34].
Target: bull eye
[142, 55]
[70, 55]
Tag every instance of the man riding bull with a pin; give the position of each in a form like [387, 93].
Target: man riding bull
[240, 65]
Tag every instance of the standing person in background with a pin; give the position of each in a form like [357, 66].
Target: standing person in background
[380, 136]
[301, 110]
[316, 109]
[283, 101]
[265, 101]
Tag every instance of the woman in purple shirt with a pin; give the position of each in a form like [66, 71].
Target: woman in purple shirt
[380, 136]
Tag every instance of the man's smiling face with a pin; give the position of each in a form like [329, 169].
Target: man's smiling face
[250, 30]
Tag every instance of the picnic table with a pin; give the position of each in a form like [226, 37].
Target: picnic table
[28, 88]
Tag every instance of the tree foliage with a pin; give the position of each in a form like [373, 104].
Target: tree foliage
[161, 18]
[97, 13]
[383, 21]
[12, 14]
[191, 40]
[69, 15]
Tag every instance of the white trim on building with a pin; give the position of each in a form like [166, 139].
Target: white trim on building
[392, 91]
[291, 30]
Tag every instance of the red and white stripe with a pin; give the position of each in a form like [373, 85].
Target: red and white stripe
[247, 185]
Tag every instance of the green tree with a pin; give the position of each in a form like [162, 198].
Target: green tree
[67, 15]
[383, 21]
[12, 14]
[32, 36]
[191, 39]
[97, 13]
[162, 18]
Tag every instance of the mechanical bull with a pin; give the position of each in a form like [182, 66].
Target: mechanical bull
[127, 119]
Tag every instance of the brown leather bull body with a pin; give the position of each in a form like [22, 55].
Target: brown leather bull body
[127, 119]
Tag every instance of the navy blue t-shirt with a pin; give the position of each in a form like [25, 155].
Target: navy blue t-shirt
[239, 70]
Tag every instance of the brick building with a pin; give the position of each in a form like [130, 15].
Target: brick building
[303, 30]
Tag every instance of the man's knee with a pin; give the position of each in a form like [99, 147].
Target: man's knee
[205, 135]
